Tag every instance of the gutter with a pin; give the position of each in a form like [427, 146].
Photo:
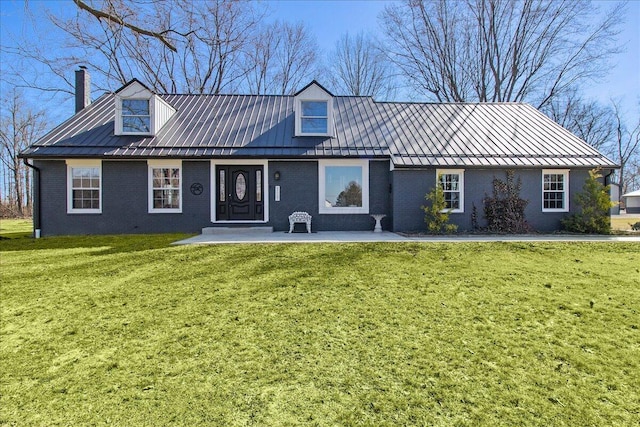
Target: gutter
[36, 197]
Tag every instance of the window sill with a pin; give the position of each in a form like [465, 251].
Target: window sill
[343, 211]
[85, 211]
[135, 134]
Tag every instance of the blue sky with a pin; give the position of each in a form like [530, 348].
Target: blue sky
[330, 19]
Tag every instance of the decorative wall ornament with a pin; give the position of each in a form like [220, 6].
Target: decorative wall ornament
[196, 188]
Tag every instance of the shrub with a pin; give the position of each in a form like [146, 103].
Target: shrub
[593, 208]
[436, 214]
[504, 211]
[474, 217]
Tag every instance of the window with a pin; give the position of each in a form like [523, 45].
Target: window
[84, 186]
[555, 190]
[165, 190]
[313, 106]
[314, 118]
[344, 186]
[136, 117]
[452, 183]
[258, 186]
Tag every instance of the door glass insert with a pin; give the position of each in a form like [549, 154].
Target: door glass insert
[258, 185]
[222, 189]
[241, 186]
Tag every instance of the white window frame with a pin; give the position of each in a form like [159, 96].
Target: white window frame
[322, 165]
[565, 189]
[301, 117]
[460, 173]
[80, 164]
[163, 164]
[122, 115]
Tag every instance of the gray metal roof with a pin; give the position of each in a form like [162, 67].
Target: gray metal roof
[483, 134]
[411, 134]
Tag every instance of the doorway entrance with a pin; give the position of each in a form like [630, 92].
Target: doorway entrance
[239, 193]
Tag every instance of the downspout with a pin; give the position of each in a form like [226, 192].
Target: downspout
[606, 177]
[36, 197]
[607, 181]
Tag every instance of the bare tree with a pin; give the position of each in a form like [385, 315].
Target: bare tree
[358, 67]
[195, 47]
[296, 58]
[111, 15]
[632, 179]
[260, 59]
[590, 120]
[498, 50]
[625, 148]
[19, 127]
[281, 57]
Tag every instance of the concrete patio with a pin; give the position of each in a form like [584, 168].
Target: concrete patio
[245, 236]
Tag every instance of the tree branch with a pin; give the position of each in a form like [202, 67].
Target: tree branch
[103, 15]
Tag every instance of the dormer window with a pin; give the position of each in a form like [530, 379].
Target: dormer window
[314, 111]
[136, 116]
[139, 111]
[314, 117]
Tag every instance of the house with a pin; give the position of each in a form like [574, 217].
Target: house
[632, 202]
[135, 161]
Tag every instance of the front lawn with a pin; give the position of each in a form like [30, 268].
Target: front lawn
[130, 331]
[16, 228]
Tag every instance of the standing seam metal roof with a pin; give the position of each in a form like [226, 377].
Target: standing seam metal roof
[411, 134]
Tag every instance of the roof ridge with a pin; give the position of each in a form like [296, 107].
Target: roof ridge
[457, 103]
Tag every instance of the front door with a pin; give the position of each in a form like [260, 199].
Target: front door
[239, 193]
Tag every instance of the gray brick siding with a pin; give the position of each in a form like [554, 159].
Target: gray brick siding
[399, 194]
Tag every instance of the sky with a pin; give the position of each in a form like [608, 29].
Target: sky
[330, 19]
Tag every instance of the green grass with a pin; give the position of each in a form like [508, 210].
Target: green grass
[15, 228]
[130, 331]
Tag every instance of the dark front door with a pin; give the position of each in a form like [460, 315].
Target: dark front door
[240, 194]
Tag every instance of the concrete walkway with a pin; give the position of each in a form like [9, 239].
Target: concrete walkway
[386, 236]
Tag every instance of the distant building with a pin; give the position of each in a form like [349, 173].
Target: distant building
[632, 202]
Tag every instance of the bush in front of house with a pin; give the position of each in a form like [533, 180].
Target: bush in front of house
[504, 210]
[436, 214]
[593, 204]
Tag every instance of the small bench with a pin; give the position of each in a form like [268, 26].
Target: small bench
[299, 217]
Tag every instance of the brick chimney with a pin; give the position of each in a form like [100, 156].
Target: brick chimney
[83, 88]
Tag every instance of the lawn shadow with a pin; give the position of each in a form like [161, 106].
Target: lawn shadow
[111, 243]
[16, 235]
[298, 259]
